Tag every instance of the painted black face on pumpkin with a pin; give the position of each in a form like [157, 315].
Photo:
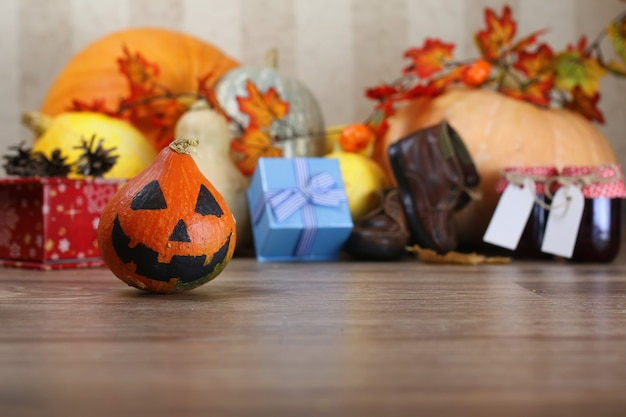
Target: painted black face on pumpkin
[180, 257]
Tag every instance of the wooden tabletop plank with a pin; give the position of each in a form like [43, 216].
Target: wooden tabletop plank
[329, 339]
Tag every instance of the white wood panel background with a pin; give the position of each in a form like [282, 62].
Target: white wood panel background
[336, 47]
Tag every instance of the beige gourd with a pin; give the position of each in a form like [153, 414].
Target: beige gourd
[213, 158]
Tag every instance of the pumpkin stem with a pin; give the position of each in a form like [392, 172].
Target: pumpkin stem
[184, 146]
[271, 58]
[37, 122]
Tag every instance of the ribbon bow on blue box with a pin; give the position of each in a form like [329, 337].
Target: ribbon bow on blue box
[299, 209]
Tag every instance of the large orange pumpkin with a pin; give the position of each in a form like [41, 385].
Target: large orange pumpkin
[167, 229]
[499, 131]
[177, 62]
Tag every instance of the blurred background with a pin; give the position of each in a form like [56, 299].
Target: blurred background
[336, 47]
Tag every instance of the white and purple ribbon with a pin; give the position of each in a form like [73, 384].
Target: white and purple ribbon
[319, 190]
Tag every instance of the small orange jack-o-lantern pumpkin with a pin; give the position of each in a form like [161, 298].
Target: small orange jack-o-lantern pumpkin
[167, 229]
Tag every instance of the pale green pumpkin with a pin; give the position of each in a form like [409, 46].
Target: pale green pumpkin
[300, 132]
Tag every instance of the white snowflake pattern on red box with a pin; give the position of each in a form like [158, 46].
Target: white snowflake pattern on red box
[52, 223]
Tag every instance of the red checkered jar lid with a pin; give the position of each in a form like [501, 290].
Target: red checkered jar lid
[603, 181]
[517, 174]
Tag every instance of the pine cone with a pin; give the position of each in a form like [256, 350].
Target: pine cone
[55, 166]
[22, 164]
[95, 162]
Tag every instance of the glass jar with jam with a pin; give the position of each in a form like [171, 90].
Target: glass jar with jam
[599, 235]
[529, 245]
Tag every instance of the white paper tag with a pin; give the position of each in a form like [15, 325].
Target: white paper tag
[563, 222]
[511, 215]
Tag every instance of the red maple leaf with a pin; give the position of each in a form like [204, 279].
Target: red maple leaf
[537, 92]
[429, 59]
[381, 92]
[414, 91]
[97, 106]
[498, 33]
[168, 113]
[163, 114]
[535, 64]
[141, 75]
[580, 47]
[585, 105]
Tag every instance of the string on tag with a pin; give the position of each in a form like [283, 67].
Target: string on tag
[517, 178]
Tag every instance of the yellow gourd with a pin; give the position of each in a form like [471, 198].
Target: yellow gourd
[68, 130]
[363, 180]
[213, 159]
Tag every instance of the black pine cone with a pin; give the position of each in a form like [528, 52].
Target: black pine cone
[95, 162]
[54, 166]
[23, 164]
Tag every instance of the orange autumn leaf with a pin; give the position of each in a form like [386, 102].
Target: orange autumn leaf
[429, 59]
[262, 108]
[585, 104]
[141, 74]
[535, 64]
[537, 92]
[527, 41]
[498, 34]
[429, 89]
[252, 145]
[455, 258]
[168, 112]
[96, 106]
[381, 92]
[162, 114]
[205, 90]
[580, 47]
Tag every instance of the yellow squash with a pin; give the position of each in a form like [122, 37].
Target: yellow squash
[67, 131]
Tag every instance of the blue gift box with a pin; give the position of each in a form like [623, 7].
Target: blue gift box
[299, 209]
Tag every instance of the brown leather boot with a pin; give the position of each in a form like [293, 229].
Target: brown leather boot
[435, 176]
[381, 235]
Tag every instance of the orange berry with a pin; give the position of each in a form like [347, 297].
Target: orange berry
[476, 73]
[355, 137]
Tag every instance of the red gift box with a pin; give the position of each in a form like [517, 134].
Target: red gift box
[51, 223]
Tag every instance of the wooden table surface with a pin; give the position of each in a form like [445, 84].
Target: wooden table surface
[319, 339]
